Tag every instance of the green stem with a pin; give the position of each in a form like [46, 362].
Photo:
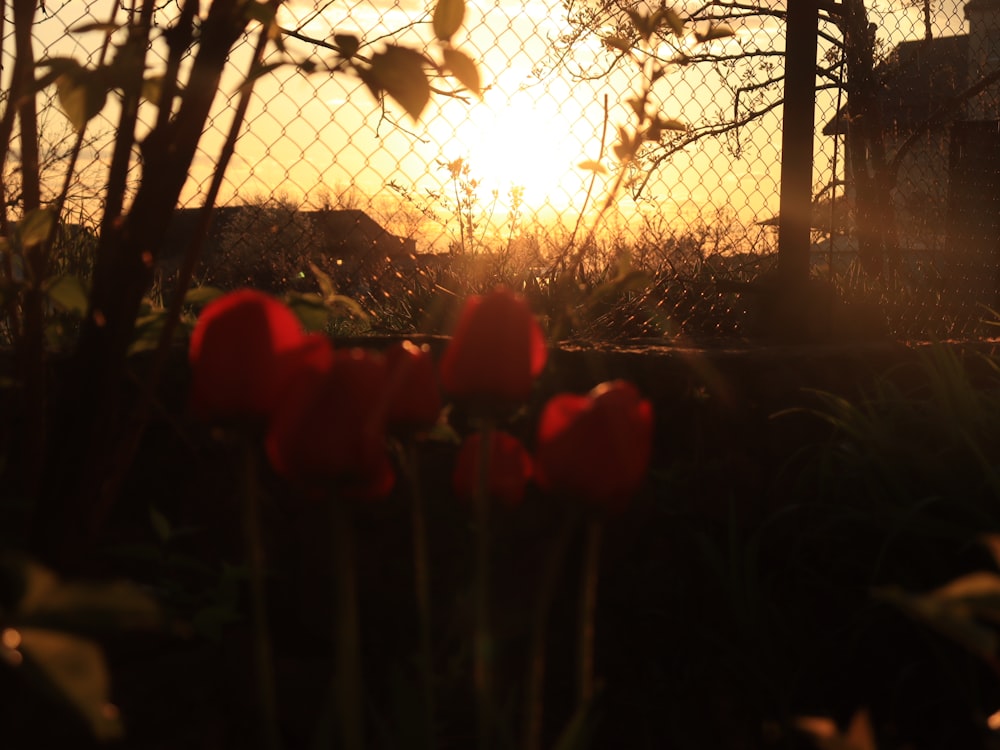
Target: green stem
[482, 639]
[534, 691]
[263, 657]
[588, 611]
[423, 589]
[349, 679]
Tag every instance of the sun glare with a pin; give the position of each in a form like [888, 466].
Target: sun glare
[524, 139]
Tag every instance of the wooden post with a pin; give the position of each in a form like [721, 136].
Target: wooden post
[797, 134]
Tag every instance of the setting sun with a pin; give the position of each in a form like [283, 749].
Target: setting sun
[527, 139]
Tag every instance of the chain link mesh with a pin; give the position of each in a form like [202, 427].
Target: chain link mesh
[480, 191]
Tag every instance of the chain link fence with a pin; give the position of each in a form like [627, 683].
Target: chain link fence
[400, 214]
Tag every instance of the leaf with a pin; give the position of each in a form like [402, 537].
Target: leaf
[578, 731]
[347, 45]
[827, 736]
[161, 525]
[152, 89]
[69, 293]
[448, 17]
[325, 281]
[642, 23]
[399, 72]
[592, 165]
[443, 432]
[953, 617]
[464, 69]
[76, 668]
[311, 310]
[259, 71]
[992, 543]
[107, 28]
[94, 606]
[638, 106]
[719, 31]
[35, 227]
[81, 97]
[43, 600]
[211, 621]
[262, 12]
[147, 332]
[860, 735]
[617, 42]
[201, 295]
[350, 304]
[671, 18]
[670, 123]
[71, 664]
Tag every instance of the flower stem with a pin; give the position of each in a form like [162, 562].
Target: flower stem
[588, 611]
[423, 588]
[348, 639]
[534, 691]
[263, 657]
[482, 638]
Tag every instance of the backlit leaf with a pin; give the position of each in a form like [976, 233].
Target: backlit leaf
[152, 89]
[617, 42]
[258, 71]
[148, 329]
[347, 44]
[349, 304]
[953, 616]
[107, 28]
[992, 543]
[161, 525]
[325, 281]
[448, 17]
[311, 310]
[670, 17]
[81, 97]
[69, 293]
[262, 12]
[76, 667]
[670, 123]
[719, 31]
[35, 228]
[464, 69]
[827, 735]
[399, 72]
[592, 165]
[201, 295]
[642, 23]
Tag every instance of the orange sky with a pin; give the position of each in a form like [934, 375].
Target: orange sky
[309, 133]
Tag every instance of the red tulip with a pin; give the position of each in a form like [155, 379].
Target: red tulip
[508, 472]
[497, 349]
[596, 447]
[330, 426]
[236, 354]
[414, 398]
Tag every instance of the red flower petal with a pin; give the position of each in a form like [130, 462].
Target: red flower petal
[414, 397]
[497, 350]
[331, 424]
[595, 447]
[509, 470]
[235, 354]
